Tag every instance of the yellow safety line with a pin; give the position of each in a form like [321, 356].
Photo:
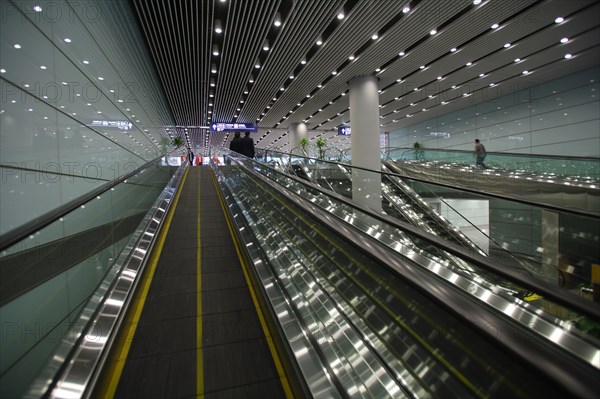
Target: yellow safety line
[199, 355]
[133, 315]
[278, 365]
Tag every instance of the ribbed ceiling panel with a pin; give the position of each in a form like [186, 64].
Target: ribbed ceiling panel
[180, 36]
[248, 23]
[307, 20]
[177, 33]
[364, 20]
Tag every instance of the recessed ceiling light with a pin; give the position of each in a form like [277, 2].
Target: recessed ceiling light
[37, 8]
[401, 54]
[567, 56]
[67, 40]
[375, 36]
[282, 89]
[559, 20]
[100, 78]
[340, 15]
[17, 46]
[378, 70]
[495, 26]
[351, 57]
[453, 49]
[481, 75]
[517, 60]
[406, 9]
[422, 67]
[433, 32]
[303, 62]
[257, 66]
[525, 72]
[277, 21]
[507, 45]
[399, 80]
[439, 78]
[476, 2]
[291, 76]
[2, 70]
[319, 41]
[469, 63]
[564, 40]
[86, 62]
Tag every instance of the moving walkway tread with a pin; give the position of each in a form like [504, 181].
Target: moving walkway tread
[163, 358]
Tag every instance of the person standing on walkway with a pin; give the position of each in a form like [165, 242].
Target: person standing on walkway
[248, 146]
[480, 154]
[191, 157]
[235, 145]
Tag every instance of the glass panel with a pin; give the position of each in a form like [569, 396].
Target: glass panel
[50, 276]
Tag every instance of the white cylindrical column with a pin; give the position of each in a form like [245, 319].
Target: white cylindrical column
[298, 131]
[364, 122]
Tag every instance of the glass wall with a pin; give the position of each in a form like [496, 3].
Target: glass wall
[80, 105]
[561, 117]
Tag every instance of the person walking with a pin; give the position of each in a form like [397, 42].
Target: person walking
[248, 146]
[480, 154]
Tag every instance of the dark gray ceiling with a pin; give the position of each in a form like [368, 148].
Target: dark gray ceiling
[273, 88]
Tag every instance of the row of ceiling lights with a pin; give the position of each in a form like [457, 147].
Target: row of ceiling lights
[564, 40]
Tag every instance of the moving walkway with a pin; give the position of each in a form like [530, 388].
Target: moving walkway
[566, 182]
[351, 307]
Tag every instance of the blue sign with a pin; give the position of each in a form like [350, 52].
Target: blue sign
[232, 127]
[344, 131]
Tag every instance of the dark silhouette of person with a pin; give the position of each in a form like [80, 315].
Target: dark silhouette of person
[248, 146]
[480, 153]
[191, 157]
[236, 144]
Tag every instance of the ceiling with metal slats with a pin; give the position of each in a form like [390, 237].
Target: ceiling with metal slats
[259, 61]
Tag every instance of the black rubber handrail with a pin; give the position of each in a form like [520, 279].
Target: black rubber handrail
[14, 236]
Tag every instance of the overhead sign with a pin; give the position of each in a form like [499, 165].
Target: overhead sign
[123, 125]
[232, 127]
[344, 131]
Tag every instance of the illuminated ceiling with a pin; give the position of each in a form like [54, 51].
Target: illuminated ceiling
[230, 61]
